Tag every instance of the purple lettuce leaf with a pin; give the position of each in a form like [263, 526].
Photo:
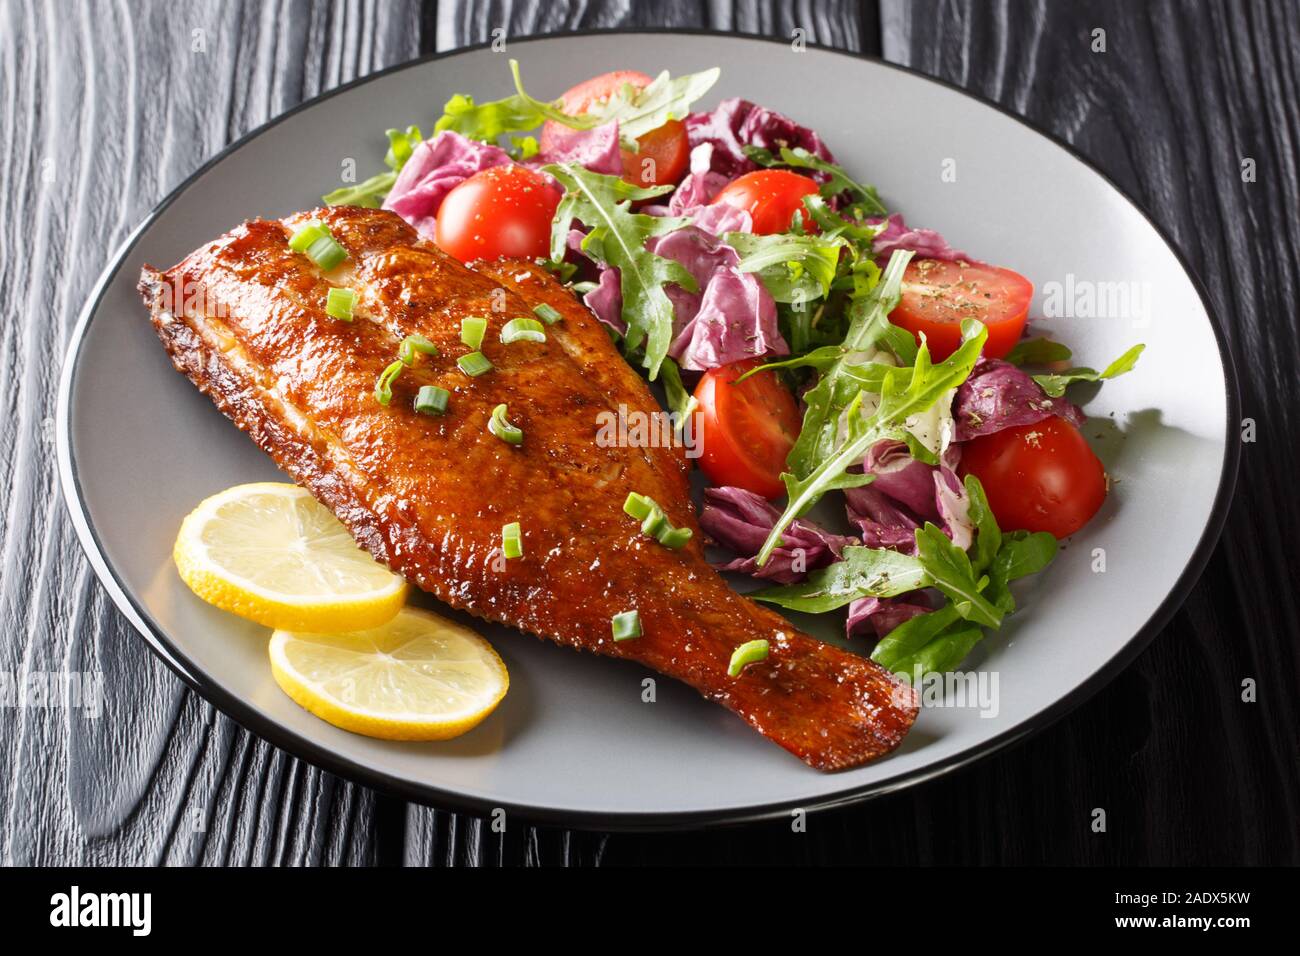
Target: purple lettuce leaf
[740, 520]
[882, 521]
[736, 320]
[737, 123]
[926, 243]
[882, 615]
[906, 494]
[597, 149]
[731, 317]
[999, 395]
[436, 167]
[606, 300]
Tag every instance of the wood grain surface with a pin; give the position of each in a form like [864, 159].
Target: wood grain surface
[106, 107]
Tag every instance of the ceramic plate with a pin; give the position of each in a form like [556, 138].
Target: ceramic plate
[574, 742]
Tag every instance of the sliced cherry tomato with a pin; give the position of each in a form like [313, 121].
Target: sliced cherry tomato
[771, 196]
[745, 430]
[500, 212]
[661, 157]
[1040, 477]
[666, 146]
[937, 295]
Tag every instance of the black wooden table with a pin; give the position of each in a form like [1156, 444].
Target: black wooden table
[104, 108]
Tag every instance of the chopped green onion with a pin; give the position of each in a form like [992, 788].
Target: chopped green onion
[384, 386]
[638, 506]
[751, 652]
[306, 235]
[500, 426]
[472, 330]
[412, 344]
[674, 538]
[654, 523]
[338, 304]
[474, 364]
[511, 545]
[432, 400]
[326, 253]
[546, 313]
[522, 330]
[626, 625]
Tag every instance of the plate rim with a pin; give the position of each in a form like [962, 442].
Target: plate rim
[289, 740]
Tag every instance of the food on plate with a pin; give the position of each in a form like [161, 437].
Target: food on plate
[431, 355]
[273, 554]
[430, 494]
[500, 212]
[418, 677]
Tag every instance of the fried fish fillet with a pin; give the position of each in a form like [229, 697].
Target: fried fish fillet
[428, 494]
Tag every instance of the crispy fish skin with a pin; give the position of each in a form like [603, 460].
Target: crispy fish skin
[428, 495]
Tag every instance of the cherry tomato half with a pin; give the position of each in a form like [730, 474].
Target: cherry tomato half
[1040, 477]
[937, 295]
[504, 211]
[772, 197]
[662, 154]
[745, 430]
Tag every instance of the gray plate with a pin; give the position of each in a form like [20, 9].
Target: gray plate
[573, 742]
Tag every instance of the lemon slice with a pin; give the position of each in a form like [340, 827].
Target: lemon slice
[273, 554]
[418, 677]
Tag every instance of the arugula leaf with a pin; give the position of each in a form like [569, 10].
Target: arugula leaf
[1021, 554]
[793, 268]
[617, 239]
[1040, 351]
[1054, 385]
[519, 113]
[371, 192]
[826, 401]
[637, 111]
[988, 536]
[368, 193]
[902, 395]
[939, 640]
[912, 635]
[940, 655]
[838, 181]
[680, 401]
[664, 98]
[832, 223]
[860, 572]
[950, 569]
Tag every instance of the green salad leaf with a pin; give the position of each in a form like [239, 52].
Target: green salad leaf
[617, 238]
[939, 640]
[638, 111]
[1022, 553]
[950, 569]
[1054, 384]
[680, 401]
[988, 536]
[860, 572]
[664, 98]
[1040, 351]
[793, 268]
[904, 393]
[835, 389]
[838, 181]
